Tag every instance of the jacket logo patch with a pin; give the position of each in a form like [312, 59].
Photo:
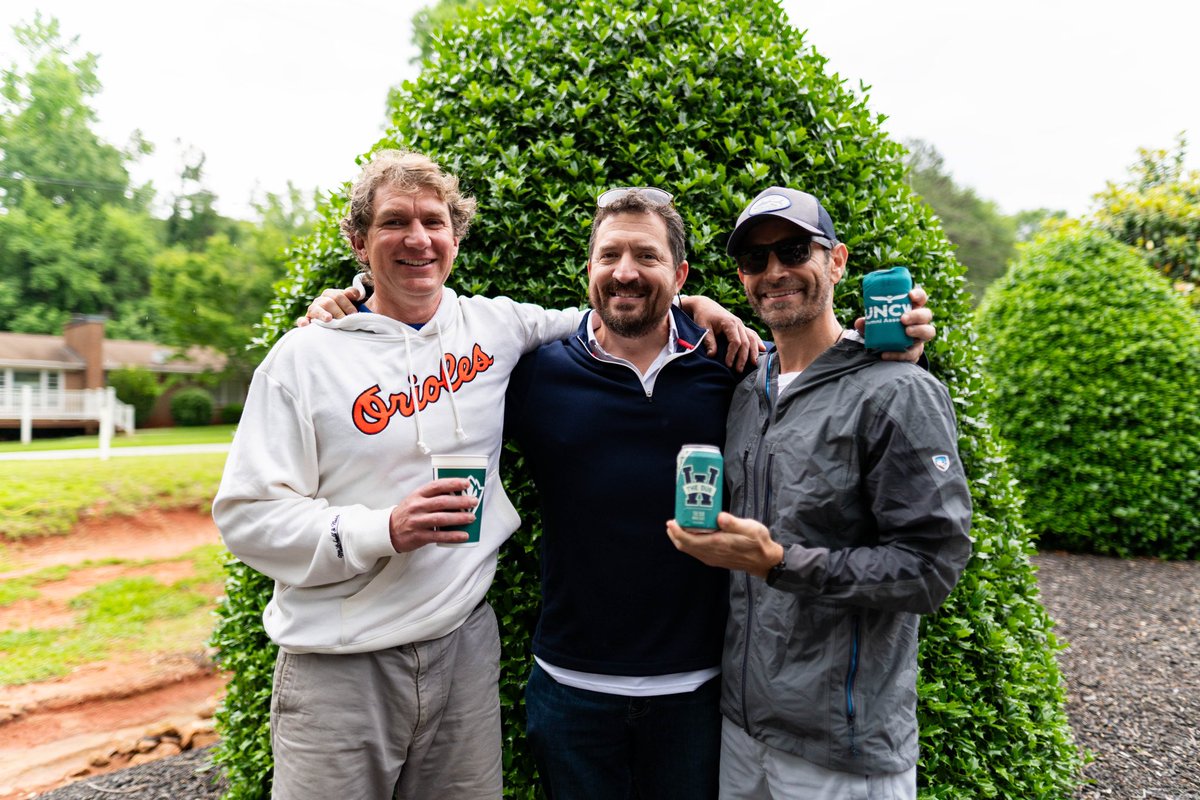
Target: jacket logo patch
[941, 462]
[372, 411]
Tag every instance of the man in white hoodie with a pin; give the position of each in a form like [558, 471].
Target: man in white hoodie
[388, 670]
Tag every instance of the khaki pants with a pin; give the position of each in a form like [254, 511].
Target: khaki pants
[416, 721]
[751, 770]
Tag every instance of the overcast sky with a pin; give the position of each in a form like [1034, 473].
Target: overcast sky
[1033, 103]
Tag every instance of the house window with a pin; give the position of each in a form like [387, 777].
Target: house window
[23, 377]
[44, 383]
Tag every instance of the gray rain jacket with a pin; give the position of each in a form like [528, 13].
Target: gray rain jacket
[854, 468]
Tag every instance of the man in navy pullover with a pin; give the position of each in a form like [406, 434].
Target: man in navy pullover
[624, 691]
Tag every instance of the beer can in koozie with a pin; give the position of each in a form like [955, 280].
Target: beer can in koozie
[699, 487]
[885, 298]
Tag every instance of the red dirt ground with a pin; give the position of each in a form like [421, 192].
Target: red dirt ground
[53, 729]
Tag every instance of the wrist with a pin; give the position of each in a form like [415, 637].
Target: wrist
[776, 562]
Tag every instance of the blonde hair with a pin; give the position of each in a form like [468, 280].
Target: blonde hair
[409, 173]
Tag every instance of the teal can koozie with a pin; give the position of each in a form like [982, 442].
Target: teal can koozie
[885, 298]
[699, 487]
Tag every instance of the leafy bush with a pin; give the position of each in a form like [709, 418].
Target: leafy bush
[1157, 210]
[192, 407]
[246, 653]
[1096, 365]
[231, 413]
[138, 387]
[538, 106]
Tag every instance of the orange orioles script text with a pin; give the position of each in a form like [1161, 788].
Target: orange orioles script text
[373, 412]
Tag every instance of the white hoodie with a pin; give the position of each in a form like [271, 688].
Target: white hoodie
[334, 434]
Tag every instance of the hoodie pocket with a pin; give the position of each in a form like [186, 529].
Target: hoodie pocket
[382, 581]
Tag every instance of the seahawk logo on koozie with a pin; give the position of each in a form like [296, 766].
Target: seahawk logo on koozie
[700, 487]
[941, 462]
[885, 307]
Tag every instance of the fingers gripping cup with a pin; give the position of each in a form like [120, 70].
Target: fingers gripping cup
[474, 469]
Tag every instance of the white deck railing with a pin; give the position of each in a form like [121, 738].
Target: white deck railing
[27, 404]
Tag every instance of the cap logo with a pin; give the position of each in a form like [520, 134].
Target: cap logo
[941, 462]
[770, 202]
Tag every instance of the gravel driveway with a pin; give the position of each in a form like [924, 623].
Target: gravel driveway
[1132, 667]
[1133, 670]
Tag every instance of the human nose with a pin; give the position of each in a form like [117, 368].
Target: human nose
[625, 270]
[417, 236]
[775, 267]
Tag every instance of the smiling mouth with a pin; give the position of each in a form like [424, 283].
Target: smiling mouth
[781, 293]
[415, 262]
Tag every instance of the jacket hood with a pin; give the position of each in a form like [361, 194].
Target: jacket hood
[844, 357]
[385, 326]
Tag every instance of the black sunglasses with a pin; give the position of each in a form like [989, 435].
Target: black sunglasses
[654, 195]
[790, 252]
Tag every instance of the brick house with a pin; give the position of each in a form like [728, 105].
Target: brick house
[57, 366]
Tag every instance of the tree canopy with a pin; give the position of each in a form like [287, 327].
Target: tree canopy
[77, 236]
[983, 237]
[1157, 210]
[46, 121]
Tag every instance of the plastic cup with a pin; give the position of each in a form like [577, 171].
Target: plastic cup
[474, 469]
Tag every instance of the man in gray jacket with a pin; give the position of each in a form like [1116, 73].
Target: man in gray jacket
[850, 518]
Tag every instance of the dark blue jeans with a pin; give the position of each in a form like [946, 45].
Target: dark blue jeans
[596, 746]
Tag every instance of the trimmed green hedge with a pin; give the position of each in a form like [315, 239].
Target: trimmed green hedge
[192, 407]
[538, 106]
[1096, 365]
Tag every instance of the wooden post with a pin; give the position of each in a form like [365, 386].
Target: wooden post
[26, 414]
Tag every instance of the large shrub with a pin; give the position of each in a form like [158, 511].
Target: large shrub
[539, 106]
[1096, 365]
[192, 407]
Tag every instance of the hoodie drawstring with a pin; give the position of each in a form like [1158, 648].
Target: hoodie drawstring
[459, 431]
[412, 395]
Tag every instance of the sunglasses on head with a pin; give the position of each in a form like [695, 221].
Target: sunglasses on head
[652, 194]
[790, 252]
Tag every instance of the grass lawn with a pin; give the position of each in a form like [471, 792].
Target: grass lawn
[44, 498]
[120, 615]
[209, 434]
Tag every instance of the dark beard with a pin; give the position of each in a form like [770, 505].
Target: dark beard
[625, 325]
[794, 318]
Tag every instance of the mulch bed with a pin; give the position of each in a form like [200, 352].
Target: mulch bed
[1132, 667]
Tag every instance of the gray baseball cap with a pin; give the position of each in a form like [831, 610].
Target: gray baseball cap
[798, 208]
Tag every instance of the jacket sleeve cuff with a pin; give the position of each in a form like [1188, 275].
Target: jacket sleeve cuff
[804, 570]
